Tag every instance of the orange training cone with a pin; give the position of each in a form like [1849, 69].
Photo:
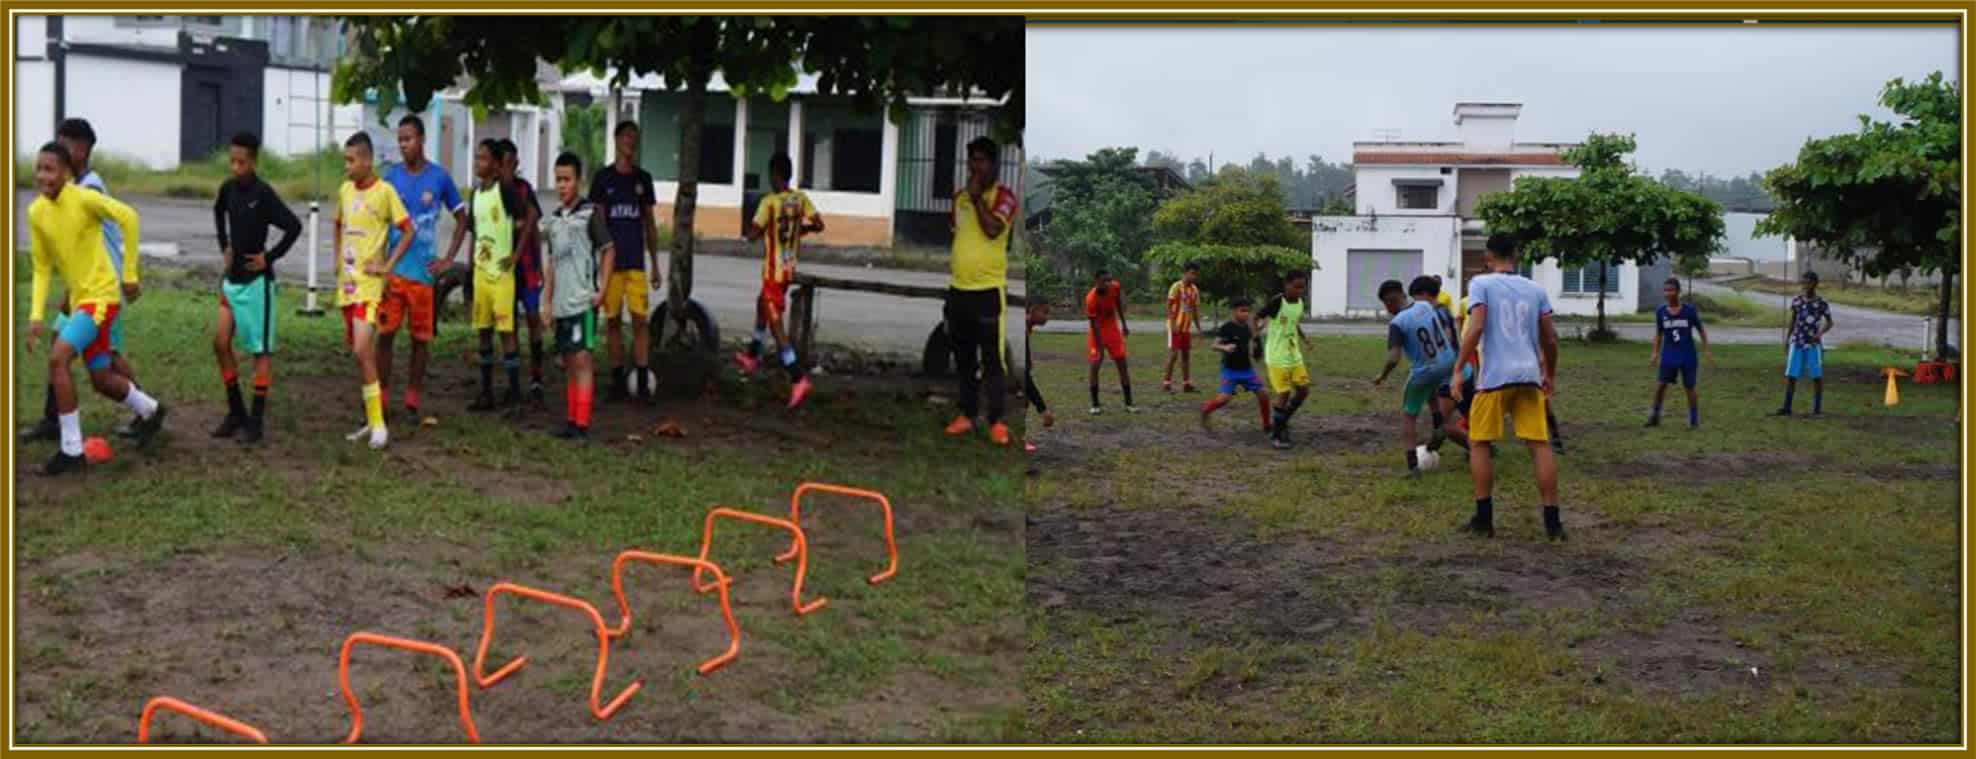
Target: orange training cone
[1893, 388]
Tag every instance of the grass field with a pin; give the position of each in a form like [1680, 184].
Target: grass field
[1757, 580]
[229, 577]
[1917, 301]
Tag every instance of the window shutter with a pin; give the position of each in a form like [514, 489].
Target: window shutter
[1572, 277]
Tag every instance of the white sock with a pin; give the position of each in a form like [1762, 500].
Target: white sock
[143, 404]
[72, 433]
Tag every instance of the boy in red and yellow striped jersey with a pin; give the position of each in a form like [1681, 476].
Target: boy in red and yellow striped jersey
[780, 222]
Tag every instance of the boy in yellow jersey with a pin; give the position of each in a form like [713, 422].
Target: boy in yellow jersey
[984, 211]
[1183, 318]
[66, 239]
[1280, 343]
[493, 210]
[781, 220]
[366, 209]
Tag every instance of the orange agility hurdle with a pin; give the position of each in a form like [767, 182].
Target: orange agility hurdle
[801, 552]
[416, 646]
[603, 712]
[884, 506]
[720, 582]
[213, 719]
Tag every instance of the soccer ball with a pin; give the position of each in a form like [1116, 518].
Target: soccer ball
[1429, 460]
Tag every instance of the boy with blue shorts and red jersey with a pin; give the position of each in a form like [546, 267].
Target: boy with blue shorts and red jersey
[1238, 371]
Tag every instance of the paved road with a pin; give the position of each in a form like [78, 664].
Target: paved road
[1854, 323]
[727, 285]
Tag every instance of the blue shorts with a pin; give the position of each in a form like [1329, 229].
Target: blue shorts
[1233, 380]
[1805, 362]
[530, 299]
[1682, 370]
[85, 333]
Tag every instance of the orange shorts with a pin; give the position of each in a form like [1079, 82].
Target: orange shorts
[365, 312]
[405, 301]
[775, 298]
[1108, 338]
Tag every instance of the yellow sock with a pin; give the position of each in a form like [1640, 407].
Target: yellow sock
[374, 405]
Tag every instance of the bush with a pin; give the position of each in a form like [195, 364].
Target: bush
[1229, 271]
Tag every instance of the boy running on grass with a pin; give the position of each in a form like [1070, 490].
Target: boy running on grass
[1678, 325]
[1238, 370]
[576, 237]
[242, 214]
[1104, 308]
[1183, 319]
[1038, 315]
[1280, 333]
[427, 191]
[366, 209]
[66, 239]
[528, 263]
[1510, 319]
[495, 210]
[781, 220]
[1427, 339]
[1804, 337]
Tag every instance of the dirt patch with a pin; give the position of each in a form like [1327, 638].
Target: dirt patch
[1344, 433]
[1687, 655]
[1707, 467]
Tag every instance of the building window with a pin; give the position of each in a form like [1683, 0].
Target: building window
[946, 162]
[1419, 197]
[717, 154]
[1585, 281]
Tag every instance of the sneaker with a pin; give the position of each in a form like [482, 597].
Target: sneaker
[1167, 387]
[250, 433]
[147, 428]
[230, 426]
[572, 432]
[1479, 528]
[798, 392]
[1028, 447]
[1653, 421]
[998, 433]
[44, 430]
[1189, 388]
[1555, 531]
[128, 430]
[960, 426]
[62, 463]
[1279, 443]
[361, 434]
[483, 403]
[1096, 410]
[746, 363]
[379, 438]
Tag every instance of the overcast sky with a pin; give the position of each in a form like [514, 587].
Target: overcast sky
[1726, 100]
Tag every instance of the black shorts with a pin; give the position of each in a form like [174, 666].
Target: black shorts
[976, 320]
[576, 334]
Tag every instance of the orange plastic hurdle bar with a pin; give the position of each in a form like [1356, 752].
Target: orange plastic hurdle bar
[720, 581]
[801, 552]
[407, 644]
[884, 505]
[213, 719]
[601, 712]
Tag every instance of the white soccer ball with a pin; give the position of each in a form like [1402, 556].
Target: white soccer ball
[1429, 460]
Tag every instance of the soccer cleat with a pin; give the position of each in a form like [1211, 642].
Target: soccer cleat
[250, 433]
[798, 392]
[1555, 531]
[572, 432]
[1781, 412]
[147, 428]
[1189, 388]
[1557, 446]
[960, 426]
[62, 463]
[998, 433]
[483, 403]
[44, 430]
[1167, 386]
[1279, 444]
[229, 426]
[1653, 421]
[361, 433]
[1028, 447]
[1096, 410]
[1479, 528]
[379, 438]
[746, 363]
[535, 392]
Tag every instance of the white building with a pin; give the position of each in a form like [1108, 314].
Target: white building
[1416, 215]
[164, 89]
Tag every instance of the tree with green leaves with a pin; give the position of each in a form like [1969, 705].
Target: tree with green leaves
[878, 61]
[1235, 226]
[1888, 198]
[1101, 216]
[1605, 216]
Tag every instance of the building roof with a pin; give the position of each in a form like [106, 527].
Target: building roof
[1456, 157]
[806, 84]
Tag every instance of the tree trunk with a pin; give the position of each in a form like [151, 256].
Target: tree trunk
[692, 118]
[1942, 316]
[1603, 332]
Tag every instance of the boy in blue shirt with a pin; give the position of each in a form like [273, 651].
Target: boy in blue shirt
[1676, 327]
[1421, 332]
[428, 192]
[1509, 320]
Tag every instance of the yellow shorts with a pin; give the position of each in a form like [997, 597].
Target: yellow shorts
[627, 288]
[1283, 379]
[1525, 407]
[494, 304]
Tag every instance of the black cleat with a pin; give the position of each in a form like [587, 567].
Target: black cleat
[1279, 443]
[45, 430]
[62, 463]
[128, 430]
[147, 428]
[1781, 412]
[1555, 531]
[483, 403]
[572, 432]
[1479, 528]
[230, 426]
[250, 434]
[535, 392]
[1653, 421]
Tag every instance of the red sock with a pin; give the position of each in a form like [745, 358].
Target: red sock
[1263, 404]
[583, 398]
[569, 400]
[229, 376]
[1212, 405]
[411, 397]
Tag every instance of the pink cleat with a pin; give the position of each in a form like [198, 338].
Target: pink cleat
[746, 363]
[798, 392]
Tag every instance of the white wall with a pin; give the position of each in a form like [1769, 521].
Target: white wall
[1377, 194]
[104, 29]
[133, 105]
[34, 105]
[31, 36]
[292, 111]
[874, 205]
[1487, 132]
[1625, 301]
[1437, 238]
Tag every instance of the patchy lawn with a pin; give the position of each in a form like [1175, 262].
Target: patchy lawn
[1917, 301]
